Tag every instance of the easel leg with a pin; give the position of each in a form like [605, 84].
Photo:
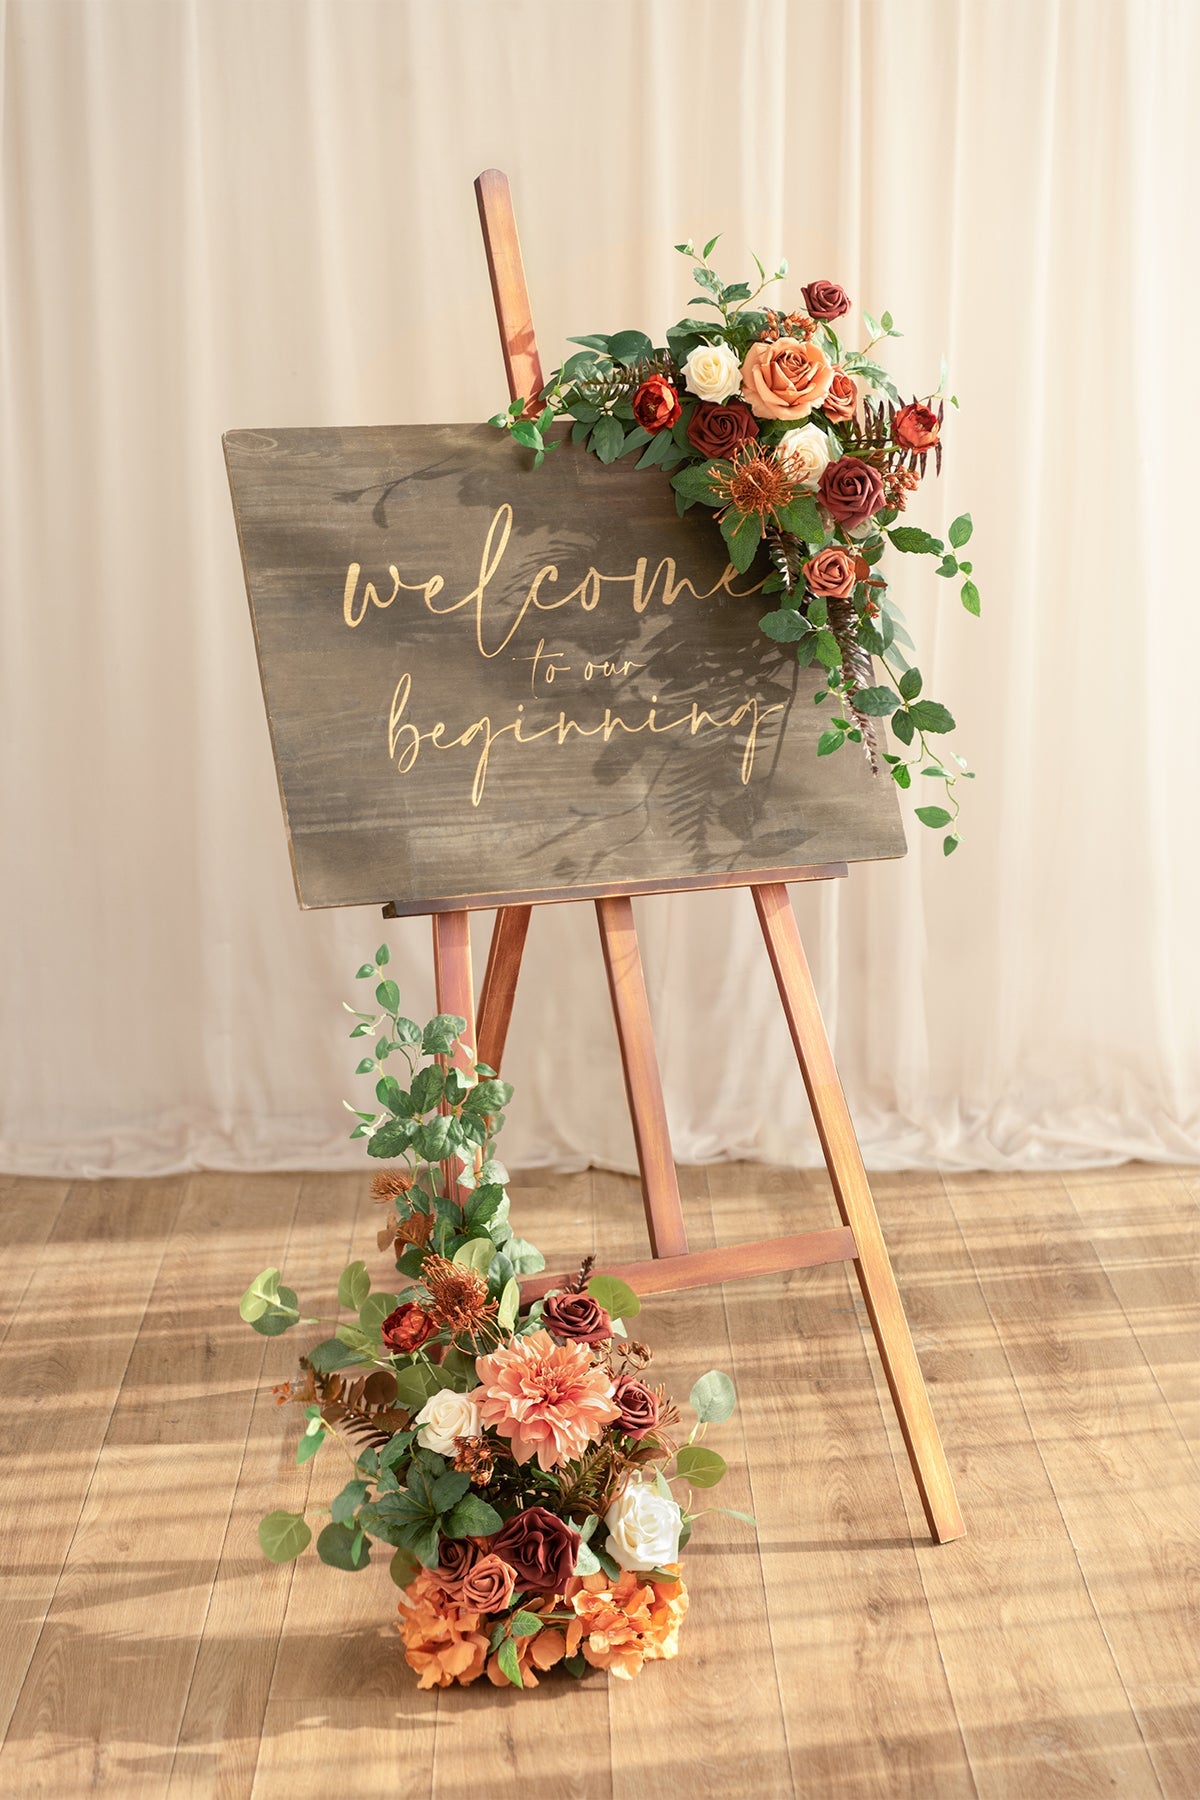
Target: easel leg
[500, 981]
[631, 1010]
[853, 1195]
[455, 993]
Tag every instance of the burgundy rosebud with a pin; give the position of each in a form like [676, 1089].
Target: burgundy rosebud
[720, 430]
[407, 1328]
[656, 405]
[577, 1317]
[850, 491]
[638, 1404]
[826, 300]
[541, 1547]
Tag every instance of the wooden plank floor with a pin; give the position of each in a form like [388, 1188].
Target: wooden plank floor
[147, 1649]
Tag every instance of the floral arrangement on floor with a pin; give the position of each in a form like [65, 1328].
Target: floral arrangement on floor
[800, 445]
[514, 1459]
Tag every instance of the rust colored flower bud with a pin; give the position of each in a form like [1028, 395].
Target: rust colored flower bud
[406, 1329]
[916, 427]
[489, 1586]
[656, 405]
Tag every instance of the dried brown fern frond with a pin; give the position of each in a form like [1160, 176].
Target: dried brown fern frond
[621, 384]
[787, 554]
[858, 671]
[365, 1408]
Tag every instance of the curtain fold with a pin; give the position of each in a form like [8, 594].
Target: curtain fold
[224, 213]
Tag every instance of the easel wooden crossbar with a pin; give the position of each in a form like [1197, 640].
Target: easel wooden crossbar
[673, 1265]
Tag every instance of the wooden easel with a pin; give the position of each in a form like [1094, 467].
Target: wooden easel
[673, 1265]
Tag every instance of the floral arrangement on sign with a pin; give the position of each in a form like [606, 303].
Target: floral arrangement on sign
[513, 1459]
[803, 446]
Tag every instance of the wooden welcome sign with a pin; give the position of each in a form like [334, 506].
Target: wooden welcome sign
[488, 683]
[495, 686]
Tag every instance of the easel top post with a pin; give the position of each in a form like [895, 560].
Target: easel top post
[514, 315]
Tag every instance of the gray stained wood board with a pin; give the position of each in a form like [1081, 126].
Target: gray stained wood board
[489, 683]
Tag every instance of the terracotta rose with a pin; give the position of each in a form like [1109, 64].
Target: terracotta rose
[832, 571]
[488, 1587]
[638, 1404]
[786, 379]
[577, 1316]
[842, 398]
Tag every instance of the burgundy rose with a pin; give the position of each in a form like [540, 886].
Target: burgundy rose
[578, 1317]
[407, 1328]
[656, 404]
[916, 427]
[826, 300]
[638, 1404]
[489, 1586]
[720, 430]
[456, 1558]
[850, 491]
[540, 1547]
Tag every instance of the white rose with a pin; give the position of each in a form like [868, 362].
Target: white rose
[446, 1416]
[804, 454]
[712, 372]
[643, 1528]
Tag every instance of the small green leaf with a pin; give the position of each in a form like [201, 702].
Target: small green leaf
[510, 1667]
[711, 246]
[787, 626]
[382, 955]
[347, 1503]
[970, 597]
[928, 715]
[262, 1293]
[283, 1535]
[354, 1284]
[608, 438]
[280, 1317]
[950, 844]
[830, 740]
[343, 1548]
[876, 702]
[903, 727]
[510, 1301]
[472, 1517]
[310, 1443]
[615, 1296]
[933, 816]
[910, 684]
[742, 533]
[388, 996]
[587, 1562]
[702, 1468]
[915, 542]
[404, 1567]
[366, 970]
[714, 1397]
[960, 530]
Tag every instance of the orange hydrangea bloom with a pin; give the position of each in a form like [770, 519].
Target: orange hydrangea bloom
[441, 1642]
[551, 1400]
[621, 1625]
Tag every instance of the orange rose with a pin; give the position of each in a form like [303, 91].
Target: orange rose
[786, 379]
[832, 571]
[488, 1585]
[916, 427]
[842, 398]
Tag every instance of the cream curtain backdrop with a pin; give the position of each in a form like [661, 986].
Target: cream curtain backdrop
[224, 213]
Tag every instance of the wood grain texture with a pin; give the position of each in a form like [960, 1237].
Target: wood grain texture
[706, 1268]
[500, 977]
[492, 684]
[148, 1649]
[852, 1193]
[643, 1086]
[514, 315]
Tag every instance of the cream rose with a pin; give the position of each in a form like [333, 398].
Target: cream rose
[446, 1416]
[804, 453]
[712, 372]
[643, 1528]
